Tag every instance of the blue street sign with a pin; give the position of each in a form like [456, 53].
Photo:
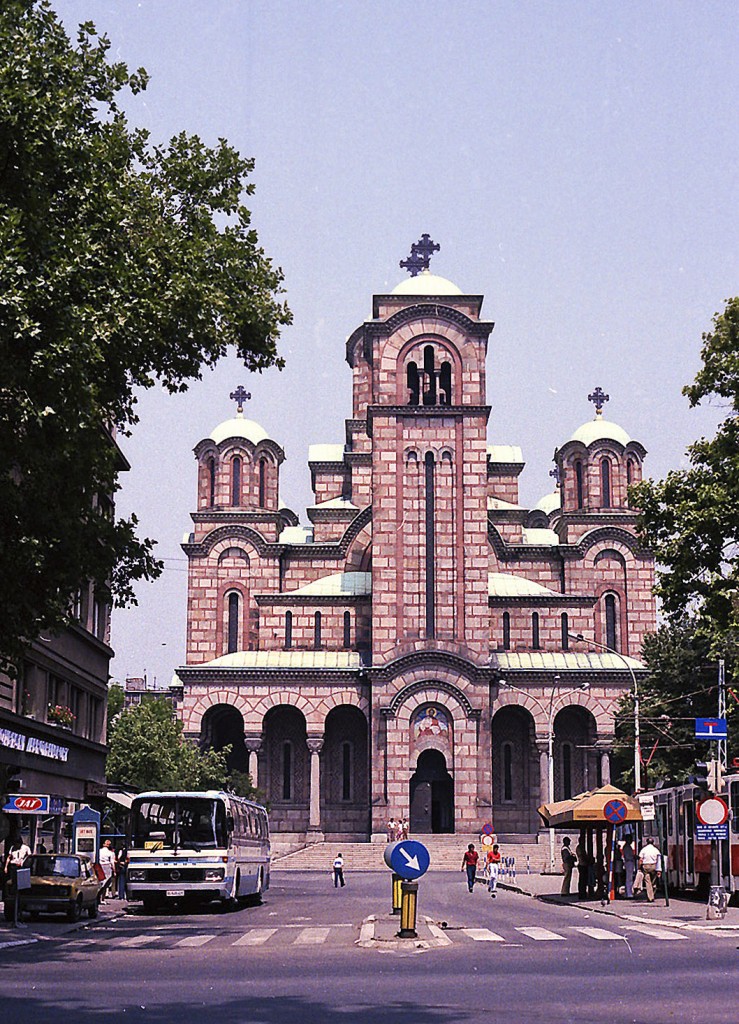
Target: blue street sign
[710, 729]
[615, 812]
[704, 833]
[408, 859]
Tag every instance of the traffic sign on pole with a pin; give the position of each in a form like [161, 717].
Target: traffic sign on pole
[710, 729]
[408, 858]
[615, 812]
[713, 811]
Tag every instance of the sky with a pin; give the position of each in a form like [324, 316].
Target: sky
[576, 161]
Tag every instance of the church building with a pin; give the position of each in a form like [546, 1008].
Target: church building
[427, 646]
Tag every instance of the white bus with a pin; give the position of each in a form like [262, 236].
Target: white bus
[197, 846]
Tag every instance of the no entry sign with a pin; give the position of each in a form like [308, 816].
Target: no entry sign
[615, 812]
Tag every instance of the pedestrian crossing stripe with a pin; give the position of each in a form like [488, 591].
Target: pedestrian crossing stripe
[256, 937]
[655, 933]
[599, 933]
[482, 935]
[311, 936]
[195, 940]
[541, 934]
[138, 940]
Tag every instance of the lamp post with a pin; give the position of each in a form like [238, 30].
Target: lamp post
[637, 742]
[550, 745]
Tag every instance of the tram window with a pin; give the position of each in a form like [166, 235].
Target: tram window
[734, 804]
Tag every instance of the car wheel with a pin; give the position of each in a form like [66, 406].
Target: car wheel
[75, 911]
[151, 904]
[92, 910]
[9, 911]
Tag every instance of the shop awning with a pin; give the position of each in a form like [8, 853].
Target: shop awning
[600, 807]
[124, 799]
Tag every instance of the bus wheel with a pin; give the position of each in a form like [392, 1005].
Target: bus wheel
[256, 898]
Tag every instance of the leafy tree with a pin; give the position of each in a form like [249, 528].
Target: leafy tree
[691, 518]
[681, 686]
[240, 783]
[148, 751]
[123, 264]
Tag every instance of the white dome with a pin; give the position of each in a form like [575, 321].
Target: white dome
[550, 502]
[504, 584]
[598, 430]
[239, 426]
[426, 283]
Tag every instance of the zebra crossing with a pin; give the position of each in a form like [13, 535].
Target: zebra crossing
[347, 934]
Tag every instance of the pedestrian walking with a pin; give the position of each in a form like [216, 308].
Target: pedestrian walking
[338, 867]
[629, 858]
[121, 865]
[469, 864]
[568, 863]
[650, 863]
[392, 830]
[492, 869]
[18, 853]
[404, 828]
[106, 859]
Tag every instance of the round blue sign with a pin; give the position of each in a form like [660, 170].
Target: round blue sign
[408, 859]
[615, 812]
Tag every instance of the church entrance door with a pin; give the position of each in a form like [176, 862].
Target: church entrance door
[432, 795]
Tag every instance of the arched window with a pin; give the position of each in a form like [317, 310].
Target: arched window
[611, 630]
[317, 631]
[287, 770]
[580, 495]
[629, 471]
[506, 631]
[211, 481]
[507, 771]
[346, 771]
[262, 483]
[236, 480]
[535, 631]
[413, 384]
[605, 482]
[429, 376]
[233, 623]
[288, 630]
[565, 632]
[566, 771]
[445, 384]
[347, 629]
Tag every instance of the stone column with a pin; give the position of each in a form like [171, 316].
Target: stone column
[545, 797]
[315, 743]
[253, 744]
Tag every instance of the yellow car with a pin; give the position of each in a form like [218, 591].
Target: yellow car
[60, 883]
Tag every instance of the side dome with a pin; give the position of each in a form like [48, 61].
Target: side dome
[239, 426]
[426, 283]
[600, 430]
[550, 502]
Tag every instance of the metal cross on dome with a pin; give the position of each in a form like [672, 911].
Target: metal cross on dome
[420, 256]
[240, 396]
[556, 474]
[599, 399]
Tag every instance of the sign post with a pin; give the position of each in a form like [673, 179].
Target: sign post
[408, 860]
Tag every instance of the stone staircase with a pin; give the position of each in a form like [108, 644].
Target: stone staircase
[531, 853]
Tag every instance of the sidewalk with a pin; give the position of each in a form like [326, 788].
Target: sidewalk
[54, 927]
[682, 912]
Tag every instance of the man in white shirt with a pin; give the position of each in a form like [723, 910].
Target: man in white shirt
[107, 863]
[650, 862]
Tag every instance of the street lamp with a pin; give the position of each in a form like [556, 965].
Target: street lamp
[637, 743]
[550, 745]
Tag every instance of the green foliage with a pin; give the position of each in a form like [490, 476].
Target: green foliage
[123, 264]
[682, 685]
[691, 519]
[240, 784]
[148, 751]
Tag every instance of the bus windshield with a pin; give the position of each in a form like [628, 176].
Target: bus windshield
[171, 822]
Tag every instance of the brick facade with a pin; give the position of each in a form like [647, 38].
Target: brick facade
[410, 651]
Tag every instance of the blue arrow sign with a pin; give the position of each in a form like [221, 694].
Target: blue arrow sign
[408, 859]
[710, 729]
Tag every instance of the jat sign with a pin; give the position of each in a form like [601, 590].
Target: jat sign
[27, 804]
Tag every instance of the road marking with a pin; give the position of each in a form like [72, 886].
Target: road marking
[311, 936]
[442, 939]
[599, 933]
[541, 934]
[138, 940]
[482, 935]
[655, 933]
[255, 937]
[195, 940]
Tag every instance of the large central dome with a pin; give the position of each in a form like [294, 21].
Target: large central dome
[426, 283]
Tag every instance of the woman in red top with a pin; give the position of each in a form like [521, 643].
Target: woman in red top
[469, 864]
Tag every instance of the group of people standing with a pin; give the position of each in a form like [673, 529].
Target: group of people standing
[397, 829]
[114, 866]
[632, 872]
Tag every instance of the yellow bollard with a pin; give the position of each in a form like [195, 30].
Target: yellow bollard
[408, 906]
[397, 894]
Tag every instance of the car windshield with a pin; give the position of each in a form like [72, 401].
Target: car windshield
[46, 865]
[167, 821]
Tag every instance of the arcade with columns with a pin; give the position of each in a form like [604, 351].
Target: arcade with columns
[415, 649]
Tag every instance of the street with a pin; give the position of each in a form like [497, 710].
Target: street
[297, 958]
